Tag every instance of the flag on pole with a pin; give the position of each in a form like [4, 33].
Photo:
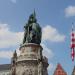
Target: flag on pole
[72, 54]
[72, 44]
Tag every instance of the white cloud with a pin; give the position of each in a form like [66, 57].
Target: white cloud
[51, 68]
[14, 1]
[18, 51]
[9, 38]
[50, 33]
[6, 54]
[70, 11]
[47, 52]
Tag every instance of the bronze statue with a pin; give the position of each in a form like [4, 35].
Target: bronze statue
[32, 32]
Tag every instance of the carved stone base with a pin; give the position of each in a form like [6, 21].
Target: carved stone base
[31, 61]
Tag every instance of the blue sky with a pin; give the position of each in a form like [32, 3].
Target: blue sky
[54, 16]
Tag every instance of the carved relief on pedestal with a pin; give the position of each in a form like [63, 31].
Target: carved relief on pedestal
[28, 72]
[30, 51]
[24, 67]
[40, 68]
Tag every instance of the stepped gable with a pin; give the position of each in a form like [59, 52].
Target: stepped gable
[59, 70]
[73, 73]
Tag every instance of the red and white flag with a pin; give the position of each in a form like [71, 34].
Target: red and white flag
[72, 54]
[72, 44]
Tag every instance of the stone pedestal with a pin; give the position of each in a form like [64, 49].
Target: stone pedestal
[31, 60]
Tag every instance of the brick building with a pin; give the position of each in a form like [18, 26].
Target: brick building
[59, 70]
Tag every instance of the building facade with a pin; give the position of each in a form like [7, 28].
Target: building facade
[5, 69]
